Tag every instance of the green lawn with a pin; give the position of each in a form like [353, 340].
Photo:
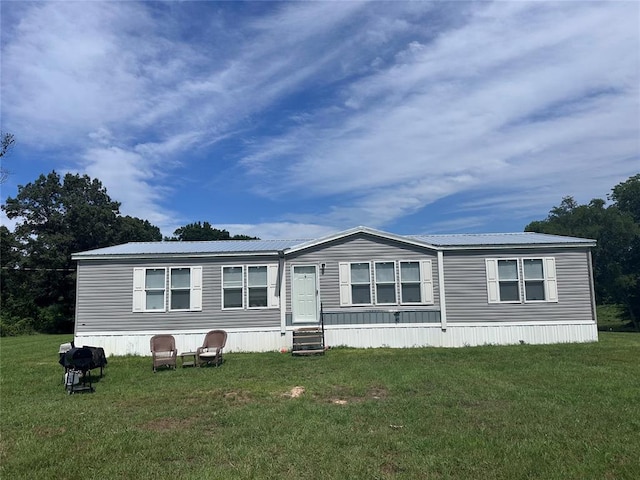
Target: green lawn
[554, 411]
[611, 318]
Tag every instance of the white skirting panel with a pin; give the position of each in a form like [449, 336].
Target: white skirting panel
[361, 336]
[137, 343]
[460, 335]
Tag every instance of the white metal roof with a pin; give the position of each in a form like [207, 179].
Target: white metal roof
[499, 239]
[210, 247]
[254, 247]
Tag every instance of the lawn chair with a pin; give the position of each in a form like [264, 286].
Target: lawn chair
[163, 351]
[211, 349]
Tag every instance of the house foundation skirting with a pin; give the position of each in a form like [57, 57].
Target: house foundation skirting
[359, 336]
[461, 335]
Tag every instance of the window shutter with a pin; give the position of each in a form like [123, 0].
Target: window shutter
[138, 289]
[550, 280]
[273, 300]
[196, 288]
[345, 283]
[426, 281]
[492, 280]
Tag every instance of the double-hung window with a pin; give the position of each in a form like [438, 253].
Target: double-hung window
[258, 286]
[508, 281]
[533, 279]
[180, 288]
[385, 275]
[416, 282]
[507, 278]
[232, 287]
[360, 284]
[154, 289]
[250, 286]
[540, 284]
[151, 288]
[355, 283]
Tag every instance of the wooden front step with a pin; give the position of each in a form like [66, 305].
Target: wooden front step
[308, 341]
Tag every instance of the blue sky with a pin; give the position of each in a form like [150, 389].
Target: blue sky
[294, 120]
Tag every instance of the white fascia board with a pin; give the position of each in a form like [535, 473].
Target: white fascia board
[518, 246]
[144, 256]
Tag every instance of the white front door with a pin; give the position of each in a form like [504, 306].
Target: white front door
[305, 294]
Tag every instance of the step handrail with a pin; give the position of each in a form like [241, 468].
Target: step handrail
[322, 324]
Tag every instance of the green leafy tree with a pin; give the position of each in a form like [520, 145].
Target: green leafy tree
[132, 229]
[194, 232]
[57, 217]
[626, 196]
[17, 309]
[7, 142]
[617, 231]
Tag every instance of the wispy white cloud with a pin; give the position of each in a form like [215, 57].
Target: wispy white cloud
[521, 96]
[369, 111]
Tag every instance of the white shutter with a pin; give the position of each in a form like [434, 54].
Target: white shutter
[138, 289]
[550, 280]
[196, 289]
[492, 280]
[345, 283]
[273, 301]
[426, 281]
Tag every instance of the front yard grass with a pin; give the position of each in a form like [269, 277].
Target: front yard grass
[611, 318]
[568, 411]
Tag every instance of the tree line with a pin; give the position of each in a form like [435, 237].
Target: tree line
[616, 227]
[58, 216]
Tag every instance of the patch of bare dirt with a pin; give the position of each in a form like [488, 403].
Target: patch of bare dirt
[237, 397]
[378, 393]
[295, 392]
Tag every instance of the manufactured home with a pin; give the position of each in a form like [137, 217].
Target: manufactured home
[365, 287]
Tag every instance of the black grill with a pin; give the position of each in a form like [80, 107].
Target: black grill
[77, 363]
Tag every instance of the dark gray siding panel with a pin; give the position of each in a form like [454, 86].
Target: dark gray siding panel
[466, 288]
[105, 300]
[376, 317]
[358, 248]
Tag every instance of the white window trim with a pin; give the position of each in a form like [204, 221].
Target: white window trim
[140, 290]
[425, 282]
[222, 267]
[493, 280]
[375, 281]
[346, 284]
[195, 288]
[249, 287]
[273, 301]
[549, 280]
[273, 298]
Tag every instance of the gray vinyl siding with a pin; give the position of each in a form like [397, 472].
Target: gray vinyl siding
[369, 317]
[105, 298]
[466, 288]
[105, 289]
[359, 248]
